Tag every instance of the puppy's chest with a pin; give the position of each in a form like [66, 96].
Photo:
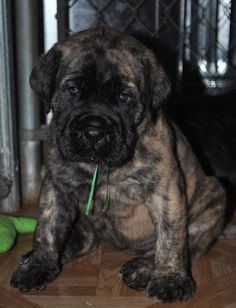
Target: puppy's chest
[122, 221]
[118, 195]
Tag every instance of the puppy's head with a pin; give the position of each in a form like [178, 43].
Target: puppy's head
[104, 88]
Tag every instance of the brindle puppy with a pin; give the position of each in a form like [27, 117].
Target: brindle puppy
[106, 89]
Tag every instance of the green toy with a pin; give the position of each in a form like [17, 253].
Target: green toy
[10, 226]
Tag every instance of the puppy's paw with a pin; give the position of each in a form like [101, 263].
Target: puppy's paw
[171, 288]
[136, 273]
[33, 272]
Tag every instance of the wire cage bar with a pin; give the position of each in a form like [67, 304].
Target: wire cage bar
[26, 21]
[9, 164]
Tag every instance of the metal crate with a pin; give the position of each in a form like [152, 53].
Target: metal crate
[198, 37]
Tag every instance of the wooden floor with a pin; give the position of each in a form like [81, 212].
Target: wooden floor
[94, 281]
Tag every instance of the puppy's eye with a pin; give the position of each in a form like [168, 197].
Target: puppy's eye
[73, 90]
[123, 97]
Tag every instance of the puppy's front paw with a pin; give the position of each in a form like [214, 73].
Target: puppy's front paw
[33, 272]
[136, 273]
[171, 288]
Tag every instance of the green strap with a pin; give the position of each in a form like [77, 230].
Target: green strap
[91, 194]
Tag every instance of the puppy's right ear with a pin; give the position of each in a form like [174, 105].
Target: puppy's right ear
[43, 75]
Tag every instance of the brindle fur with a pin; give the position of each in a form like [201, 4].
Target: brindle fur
[162, 206]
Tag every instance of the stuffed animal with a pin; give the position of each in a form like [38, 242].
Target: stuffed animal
[10, 226]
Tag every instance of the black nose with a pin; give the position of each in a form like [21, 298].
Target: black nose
[94, 127]
[94, 121]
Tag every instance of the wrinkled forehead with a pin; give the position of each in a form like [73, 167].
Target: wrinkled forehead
[102, 61]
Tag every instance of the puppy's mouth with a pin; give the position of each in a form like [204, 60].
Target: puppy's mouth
[92, 138]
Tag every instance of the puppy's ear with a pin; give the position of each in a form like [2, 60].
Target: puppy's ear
[157, 84]
[43, 76]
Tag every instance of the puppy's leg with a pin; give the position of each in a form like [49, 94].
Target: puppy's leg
[82, 240]
[41, 265]
[206, 218]
[166, 275]
[171, 278]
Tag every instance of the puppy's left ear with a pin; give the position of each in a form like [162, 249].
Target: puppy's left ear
[43, 76]
[157, 84]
